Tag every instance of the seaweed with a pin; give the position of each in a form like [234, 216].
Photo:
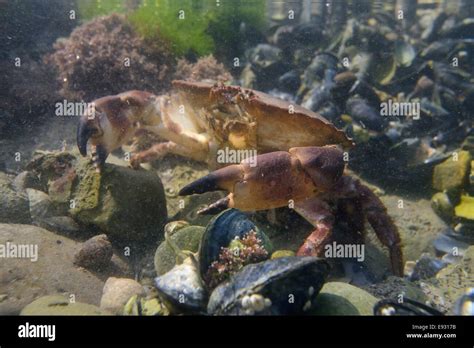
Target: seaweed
[89, 9]
[235, 24]
[182, 23]
[192, 28]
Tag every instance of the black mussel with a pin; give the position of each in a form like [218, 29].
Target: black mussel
[360, 110]
[390, 307]
[182, 289]
[282, 286]
[290, 81]
[463, 29]
[316, 71]
[223, 243]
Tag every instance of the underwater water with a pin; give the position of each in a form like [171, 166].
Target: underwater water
[247, 157]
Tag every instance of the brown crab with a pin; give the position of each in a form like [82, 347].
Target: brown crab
[198, 119]
[312, 180]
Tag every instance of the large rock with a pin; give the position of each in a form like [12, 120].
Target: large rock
[452, 173]
[14, 206]
[128, 205]
[337, 298]
[117, 292]
[22, 280]
[59, 305]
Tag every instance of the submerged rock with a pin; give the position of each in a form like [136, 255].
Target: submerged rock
[95, 253]
[59, 305]
[13, 203]
[452, 173]
[117, 292]
[128, 205]
[139, 305]
[337, 298]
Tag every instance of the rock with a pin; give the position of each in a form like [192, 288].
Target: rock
[95, 253]
[59, 305]
[452, 174]
[44, 214]
[41, 206]
[393, 287]
[337, 298]
[117, 292]
[26, 179]
[465, 209]
[138, 305]
[454, 279]
[13, 204]
[282, 253]
[185, 238]
[22, 280]
[128, 205]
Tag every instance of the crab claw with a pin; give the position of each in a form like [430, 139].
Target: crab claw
[110, 122]
[272, 180]
[84, 132]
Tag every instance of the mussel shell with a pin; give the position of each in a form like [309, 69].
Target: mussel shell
[277, 280]
[465, 304]
[446, 243]
[221, 230]
[404, 53]
[181, 289]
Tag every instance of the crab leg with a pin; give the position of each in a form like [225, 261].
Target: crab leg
[380, 221]
[318, 213]
[162, 149]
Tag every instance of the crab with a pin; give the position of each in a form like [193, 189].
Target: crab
[196, 120]
[312, 180]
[299, 154]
